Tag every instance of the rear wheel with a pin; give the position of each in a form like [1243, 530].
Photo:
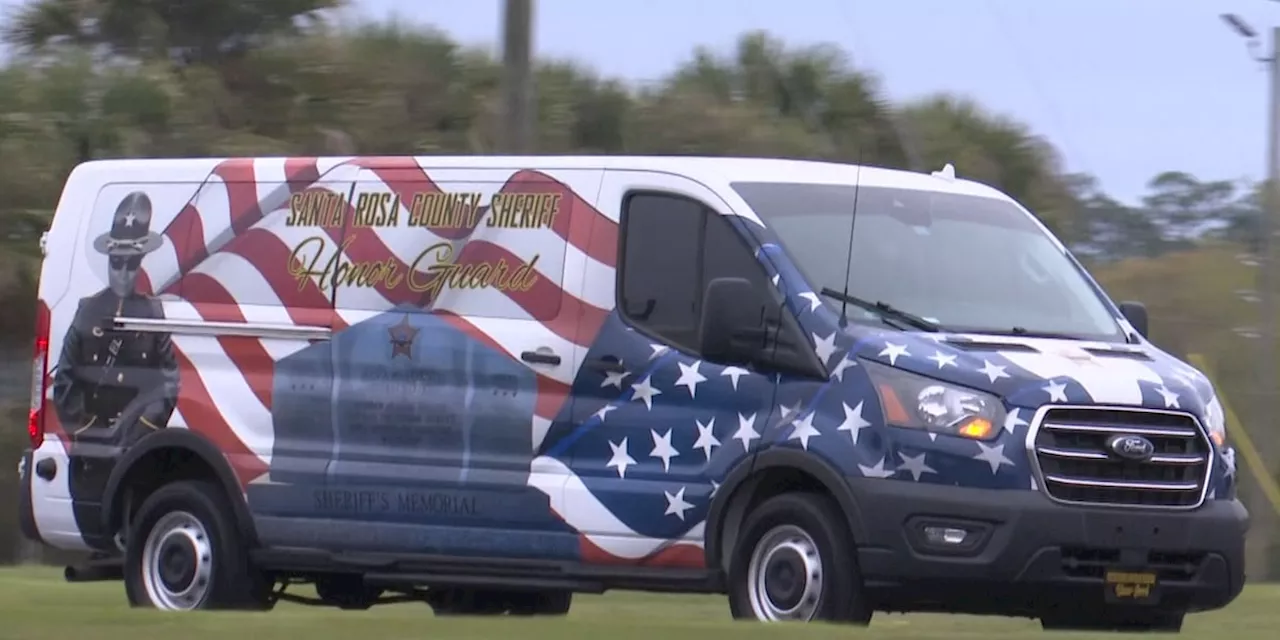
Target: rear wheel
[184, 552]
[794, 562]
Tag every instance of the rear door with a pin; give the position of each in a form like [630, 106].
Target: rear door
[459, 297]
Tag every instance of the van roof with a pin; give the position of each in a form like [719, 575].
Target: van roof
[701, 168]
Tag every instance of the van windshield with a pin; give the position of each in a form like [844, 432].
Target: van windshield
[967, 263]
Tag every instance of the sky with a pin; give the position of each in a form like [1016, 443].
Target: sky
[1123, 88]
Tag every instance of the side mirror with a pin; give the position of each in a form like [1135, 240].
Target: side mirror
[732, 328]
[1136, 314]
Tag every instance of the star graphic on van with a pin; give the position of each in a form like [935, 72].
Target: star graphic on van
[402, 336]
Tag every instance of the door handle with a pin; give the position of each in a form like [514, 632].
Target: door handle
[608, 364]
[538, 357]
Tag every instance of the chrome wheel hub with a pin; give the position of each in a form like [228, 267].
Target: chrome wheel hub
[785, 575]
[177, 562]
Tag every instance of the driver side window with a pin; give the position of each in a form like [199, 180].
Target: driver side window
[672, 246]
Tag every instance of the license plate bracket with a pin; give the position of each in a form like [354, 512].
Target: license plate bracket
[1131, 587]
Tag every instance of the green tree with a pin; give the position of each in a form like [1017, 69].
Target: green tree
[1109, 230]
[1241, 222]
[184, 31]
[806, 102]
[1186, 207]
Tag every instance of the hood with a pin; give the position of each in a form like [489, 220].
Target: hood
[1030, 372]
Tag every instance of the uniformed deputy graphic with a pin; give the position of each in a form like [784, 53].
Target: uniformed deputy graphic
[110, 386]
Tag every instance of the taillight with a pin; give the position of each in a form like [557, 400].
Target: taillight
[39, 367]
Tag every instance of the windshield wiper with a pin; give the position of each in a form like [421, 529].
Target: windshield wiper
[892, 316]
[1027, 333]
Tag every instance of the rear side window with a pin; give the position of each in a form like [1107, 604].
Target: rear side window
[260, 244]
[672, 247]
[659, 289]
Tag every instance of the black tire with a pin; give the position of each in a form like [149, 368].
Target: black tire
[207, 545]
[815, 519]
[1114, 619]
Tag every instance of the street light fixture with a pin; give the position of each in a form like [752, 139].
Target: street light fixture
[1241, 27]
[1247, 32]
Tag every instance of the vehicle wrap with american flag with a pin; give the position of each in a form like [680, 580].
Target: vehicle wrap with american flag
[434, 386]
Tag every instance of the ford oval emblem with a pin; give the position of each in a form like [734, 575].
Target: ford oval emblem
[1131, 447]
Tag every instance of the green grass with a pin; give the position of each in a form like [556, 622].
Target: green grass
[36, 604]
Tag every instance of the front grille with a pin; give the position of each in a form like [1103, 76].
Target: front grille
[1076, 466]
[1092, 562]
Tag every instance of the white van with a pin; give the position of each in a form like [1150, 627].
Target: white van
[492, 382]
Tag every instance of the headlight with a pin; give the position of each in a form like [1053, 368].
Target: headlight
[1215, 421]
[910, 401]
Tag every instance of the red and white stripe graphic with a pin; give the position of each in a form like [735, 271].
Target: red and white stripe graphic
[227, 258]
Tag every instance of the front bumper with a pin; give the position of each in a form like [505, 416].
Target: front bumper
[1027, 552]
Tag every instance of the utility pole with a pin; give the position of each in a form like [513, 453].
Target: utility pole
[1258, 550]
[517, 77]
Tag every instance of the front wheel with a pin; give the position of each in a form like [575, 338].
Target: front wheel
[794, 562]
[184, 552]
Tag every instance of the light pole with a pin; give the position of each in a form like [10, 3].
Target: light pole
[517, 77]
[1259, 550]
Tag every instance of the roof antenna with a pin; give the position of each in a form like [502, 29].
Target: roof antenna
[948, 173]
[848, 265]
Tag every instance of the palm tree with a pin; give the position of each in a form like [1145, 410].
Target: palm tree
[811, 96]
